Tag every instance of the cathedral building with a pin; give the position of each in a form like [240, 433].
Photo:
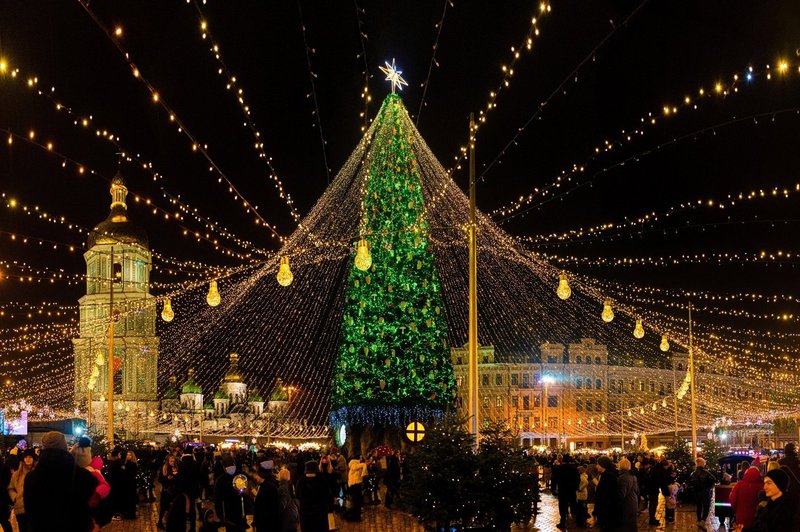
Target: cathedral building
[118, 264]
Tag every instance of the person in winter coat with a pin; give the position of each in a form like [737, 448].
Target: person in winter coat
[779, 511]
[392, 478]
[188, 483]
[744, 497]
[606, 496]
[628, 488]
[56, 493]
[315, 499]
[227, 500]
[16, 488]
[357, 471]
[267, 511]
[671, 500]
[6, 471]
[567, 481]
[703, 483]
[581, 496]
[166, 477]
[792, 463]
[290, 517]
[129, 470]
[99, 503]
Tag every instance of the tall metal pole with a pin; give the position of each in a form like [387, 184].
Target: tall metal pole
[110, 432]
[89, 412]
[622, 430]
[473, 289]
[691, 373]
[675, 397]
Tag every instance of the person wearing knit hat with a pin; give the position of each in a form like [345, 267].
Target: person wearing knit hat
[781, 510]
[315, 498]
[703, 483]
[267, 510]
[57, 493]
[16, 488]
[606, 496]
[227, 500]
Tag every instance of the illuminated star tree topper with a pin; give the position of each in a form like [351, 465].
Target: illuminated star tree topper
[393, 75]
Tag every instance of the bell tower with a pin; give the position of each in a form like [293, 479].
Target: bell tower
[118, 264]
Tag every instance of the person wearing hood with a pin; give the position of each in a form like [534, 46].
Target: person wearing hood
[357, 471]
[16, 488]
[267, 508]
[99, 503]
[744, 497]
[628, 488]
[188, 483]
[56, 493]
[779, 511]
[315, 499]
[606, 496]
[227, 499]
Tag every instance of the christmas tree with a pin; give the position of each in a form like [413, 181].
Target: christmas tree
[393, 363]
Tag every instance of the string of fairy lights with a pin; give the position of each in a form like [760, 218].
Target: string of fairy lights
[434, 62]
[293, 297]
[717, 91]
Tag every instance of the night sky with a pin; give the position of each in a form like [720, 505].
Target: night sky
[667, 50]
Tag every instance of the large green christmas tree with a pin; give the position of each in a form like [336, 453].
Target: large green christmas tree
[393, 363]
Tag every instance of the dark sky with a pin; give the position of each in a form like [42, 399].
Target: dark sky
[668, 50]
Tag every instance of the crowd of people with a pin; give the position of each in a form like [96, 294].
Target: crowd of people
[60, 487]
[619, 488]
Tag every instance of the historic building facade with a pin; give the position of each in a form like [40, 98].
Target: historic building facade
[118, 264]
[573, 389]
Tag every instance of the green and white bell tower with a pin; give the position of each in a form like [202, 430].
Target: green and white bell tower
[118, 260]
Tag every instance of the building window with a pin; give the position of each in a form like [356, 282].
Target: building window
[588, 406]
[526, 403]
[641, 386]
[578, 405]
[485, 380]
[579, 360]
[515, 401]
[552, 401]
[514, 379]
[459, 381]
[459, 361]
[588, 384]
[536, 421]
[526, 380]
[485, 401]
[598, 384]
[498, 380]
[652, 387]
[537, 402]
[498, 401]
[565, 358]
[612, 406]
[588, 360]
[598, 406]
[526, 423]
[579, 383]
[485, 359]
[680, 366]
[551, 359]
[597, 360]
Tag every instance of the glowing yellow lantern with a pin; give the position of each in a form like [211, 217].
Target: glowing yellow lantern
[95, 372]
[638, 330]
[213, 298]
[101, 359]
[363, 258]
[285, 276]
[166, 313]
[563, 291]
[664, 343]
[607, 314]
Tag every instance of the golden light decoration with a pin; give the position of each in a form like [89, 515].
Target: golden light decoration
[363, 257]
[563, 291]
[664, 343]
[213, 299]
[90, 386]
[100, 359]
[166, 313]
[95, 372]
[285, 276]
[607, 314]
[638, 330]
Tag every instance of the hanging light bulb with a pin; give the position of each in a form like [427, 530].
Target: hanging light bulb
[166, 313]
[641, 410]
[213, 298]
[607, 314]
[664, 343]
[638, 330]
[95, 372]
[655, 406]
[100, 359]
[663, 403]
[563, 291]
[363, 256]
[284, 276]
[90, 386]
